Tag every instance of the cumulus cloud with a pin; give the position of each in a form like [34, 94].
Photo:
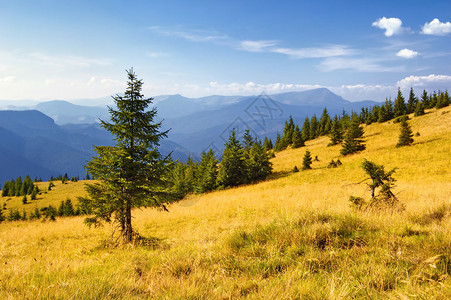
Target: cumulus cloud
[407, 53]
[435, 27]
[427, 82]
[391, 26]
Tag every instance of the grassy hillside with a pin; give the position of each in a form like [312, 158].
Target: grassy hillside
[293, 236]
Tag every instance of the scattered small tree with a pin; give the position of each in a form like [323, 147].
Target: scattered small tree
[353, 141]
[24, 199]
[406, 135]
[307, 161]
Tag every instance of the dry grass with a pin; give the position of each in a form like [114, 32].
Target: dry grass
[293, 236]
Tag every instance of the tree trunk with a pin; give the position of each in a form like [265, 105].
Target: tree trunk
[127, 234]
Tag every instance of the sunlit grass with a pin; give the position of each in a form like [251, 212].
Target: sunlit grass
[292, 236]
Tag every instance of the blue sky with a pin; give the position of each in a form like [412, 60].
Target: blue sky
[358, 49]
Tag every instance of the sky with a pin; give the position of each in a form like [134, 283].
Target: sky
[361, 50]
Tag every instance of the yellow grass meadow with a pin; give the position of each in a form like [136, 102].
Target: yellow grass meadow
[292, 236]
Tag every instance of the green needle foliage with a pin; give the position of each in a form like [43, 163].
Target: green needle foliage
[307, 161]
[353, 140]
[406, 135]
[131, 173]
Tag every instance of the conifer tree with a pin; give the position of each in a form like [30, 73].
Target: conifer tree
[400, 107]
[2, 217]
[5, 190]
[267, 144]
[258, 164]
[232, 170]
[208, 173]
[306, 129]
[412, 102]
[314, 130]
[324, 123]
[419, 109]
[297, 140]
[18, 186]
[353, 139]
[278, 144]
[307, 161]
[406, 135]
[131, 173]
[336, 133]
[24, 199]
[425, 99]
[248, 141]
[288, 133]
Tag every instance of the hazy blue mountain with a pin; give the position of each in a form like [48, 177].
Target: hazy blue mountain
[31, 143]
[64, 112]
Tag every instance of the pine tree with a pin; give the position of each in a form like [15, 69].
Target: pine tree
[131, 173]
[248, 141]
[314, 130]
[258, 164]
[267, 144]
[18, 186]
[406, 135]
[400, 107]
[412, 102]
[208, 173]
[5, 190]
[2, 217]
[425, 99]
[24, 199]
[419, 109]
[288, 133]
[353, 142]
[306, 129]
[232, 170]
[297, 140]
[307, 161]
[336, 133]
[278, 144]
[324, 123]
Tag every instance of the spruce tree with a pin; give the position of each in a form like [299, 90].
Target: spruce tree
[24, 199]
[232, 170]
[2, 218]
[400, 107]
[131, 173]
[425, 99]
[353, 139]
[324, 123]
[314, 128]
[406, 135]
[278, 144]
[207, 173]
[419, 109]
[5, 190]
[258, 164]
[412, 102]
[306, 129]
[297, 140]
[307, 161]
[267, 145]
[336, 133]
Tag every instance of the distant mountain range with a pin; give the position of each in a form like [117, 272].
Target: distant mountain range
[56, 137]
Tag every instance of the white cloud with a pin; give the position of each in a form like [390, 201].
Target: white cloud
[329, 51]
[8, 79]
[194, 36]
[391, 26]
[407, 53]
[435, 27]
[252, 88]
[256, 46]
[427, 82]
[358, 64]
[156, 54]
